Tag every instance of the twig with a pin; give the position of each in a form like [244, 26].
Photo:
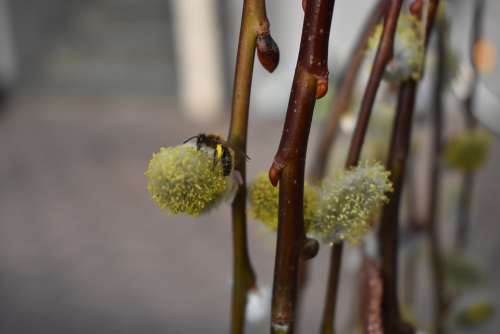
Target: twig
[343, 98]
[254, 33]
[382, 58]
[433, 205]
[465, 197]
[371, 292]
[388, 232]
[310, 82]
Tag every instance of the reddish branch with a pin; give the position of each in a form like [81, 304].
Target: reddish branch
[310, 82]
[371, 292]
[396, 163]
[382, 58]
[254, 34]
[389, 227]
[343, 98]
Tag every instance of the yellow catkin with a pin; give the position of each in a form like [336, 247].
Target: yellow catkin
[408, 56]
[348, 201]
[264, 202]
[183, 179]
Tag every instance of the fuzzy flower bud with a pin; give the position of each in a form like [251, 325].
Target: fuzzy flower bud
[476, 314]
[408, 58]
[183, 179]
[264, 202]
[468, 150]
[348, 201]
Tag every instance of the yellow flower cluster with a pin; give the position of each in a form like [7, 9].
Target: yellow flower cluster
[339, 210]
[348, 201]
[264, 202]
[183, 179]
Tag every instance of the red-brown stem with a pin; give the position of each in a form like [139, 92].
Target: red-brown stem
[341, 104]
[311, 74]
[388, 232]
[382, 58]
[343, 98]
[465, 197]
[389, 226]
[253, 24]
[371, 292]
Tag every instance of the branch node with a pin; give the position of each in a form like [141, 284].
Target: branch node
[321, 86]
[276, 170]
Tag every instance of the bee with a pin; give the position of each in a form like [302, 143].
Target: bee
[222, 150]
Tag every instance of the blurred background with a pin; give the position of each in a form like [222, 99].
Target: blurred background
[90, 89]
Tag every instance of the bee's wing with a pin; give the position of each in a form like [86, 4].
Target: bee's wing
[234, 148]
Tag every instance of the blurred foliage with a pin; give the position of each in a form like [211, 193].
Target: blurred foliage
[475, 314]
[467, 151]
[461, 274]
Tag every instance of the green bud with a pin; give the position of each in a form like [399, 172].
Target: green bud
[183, 179]
[264, 202]
[467, 150]
[408, 58]
[348, 201]
[476, 313]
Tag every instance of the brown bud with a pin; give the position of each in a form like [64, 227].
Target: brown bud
[416, 8]
[274, 175]
[321, 87]
[268, 52]
[310, 248]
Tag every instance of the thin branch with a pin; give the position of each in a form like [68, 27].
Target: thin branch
[388, 232]
[433, 205]
[310, 82]
[396, 164]
[382, 58]
[254, 28]
[371, 292]
[343, 98]
[465, 197]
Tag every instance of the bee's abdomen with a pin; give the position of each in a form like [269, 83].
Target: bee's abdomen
[226, 160]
